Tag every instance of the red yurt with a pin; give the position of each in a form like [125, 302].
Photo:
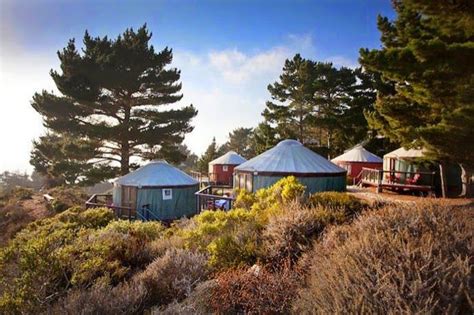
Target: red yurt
[357, 158]
[222, 168]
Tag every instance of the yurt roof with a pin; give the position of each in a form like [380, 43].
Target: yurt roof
[230, 158]
[157, 174]
[405, 154]
[358, 154]
[290, 157]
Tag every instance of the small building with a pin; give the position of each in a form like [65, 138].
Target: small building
[222, 168]
[290, 158]
[356, 158]
[157, 191]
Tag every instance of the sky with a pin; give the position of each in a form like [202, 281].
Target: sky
[227, 51]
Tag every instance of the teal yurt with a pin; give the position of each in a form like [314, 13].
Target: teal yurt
[290, 158]
[157, 191]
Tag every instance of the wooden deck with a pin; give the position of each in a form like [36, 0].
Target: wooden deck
[395, 180]
[213, 198]
[105, 201]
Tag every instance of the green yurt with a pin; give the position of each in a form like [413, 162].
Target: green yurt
[290, 158]
[157, 191]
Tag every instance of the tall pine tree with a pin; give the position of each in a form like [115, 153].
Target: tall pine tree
[118, 93]
[428, 54]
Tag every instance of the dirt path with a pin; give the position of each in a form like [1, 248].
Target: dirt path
[370, 195]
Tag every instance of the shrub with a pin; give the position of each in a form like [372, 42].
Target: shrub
[244, 199]
[401, 259]
[196, 303]
[66, 197]
[229, 238]
[349, 203]
[127, 298]
[172, 276]
[20, 193]
[76, 248]
[268, 201]
[288, 235]
[256, 291]
[114, 252]
[30, 266]
[12, 219]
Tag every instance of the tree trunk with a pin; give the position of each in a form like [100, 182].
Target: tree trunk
[465, 181]
[125, 146]
[442, 175]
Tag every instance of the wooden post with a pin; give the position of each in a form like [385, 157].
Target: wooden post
[442, 175]
[379, 181]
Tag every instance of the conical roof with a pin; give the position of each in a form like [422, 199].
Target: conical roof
[404, 153]
[290, 157]
[230, 158]
[157, 174]
[358, 154]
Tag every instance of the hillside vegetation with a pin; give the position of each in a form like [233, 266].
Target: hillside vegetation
[277, 252]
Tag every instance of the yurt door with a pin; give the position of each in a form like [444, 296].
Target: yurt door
[129, 197]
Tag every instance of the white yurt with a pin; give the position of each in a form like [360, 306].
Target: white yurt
[356, 158]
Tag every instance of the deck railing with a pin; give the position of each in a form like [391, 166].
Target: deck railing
[207, 199]
[105, 200]
[396, 179]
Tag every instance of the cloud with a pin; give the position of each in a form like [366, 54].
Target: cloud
[228, 87]
[341, 61]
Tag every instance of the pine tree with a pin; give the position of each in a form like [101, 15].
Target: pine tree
[428, 54]
[264, 137]
[116, 93]
[68, 160]
[240, 141]
[294, 92]
[320, 105]
[210, 154]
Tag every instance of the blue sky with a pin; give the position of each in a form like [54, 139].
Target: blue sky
[228, 51]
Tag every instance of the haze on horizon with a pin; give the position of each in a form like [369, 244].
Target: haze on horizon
[227, 53]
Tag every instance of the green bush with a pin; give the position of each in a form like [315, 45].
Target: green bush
[403, 259]
[229, 238]
[350, 204]
[74, 249]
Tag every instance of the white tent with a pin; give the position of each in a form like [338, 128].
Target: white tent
[230, 158]
[403, 153]
[358, 154]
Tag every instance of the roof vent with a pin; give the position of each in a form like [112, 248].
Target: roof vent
[288, 142]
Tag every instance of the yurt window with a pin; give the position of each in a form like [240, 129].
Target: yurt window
[248, 182]
[225, 168]
[167, 194]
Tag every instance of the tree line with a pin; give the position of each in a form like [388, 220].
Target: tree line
[118, 100]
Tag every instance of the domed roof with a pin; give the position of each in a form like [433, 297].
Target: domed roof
[405, 154]
[358, 154]
[157, 174]
[290, 157]
[230, 158]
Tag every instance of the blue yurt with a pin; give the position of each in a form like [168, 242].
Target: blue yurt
[290, 157]
[157, 191]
